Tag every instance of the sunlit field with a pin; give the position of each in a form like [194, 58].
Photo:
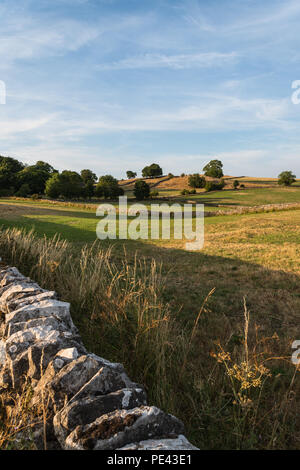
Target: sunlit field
[175, 318]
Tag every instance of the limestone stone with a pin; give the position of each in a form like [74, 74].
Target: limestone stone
[104, 381]
[69, 353]
[121, 427]
[21, 287]
[11, 275]
[179, 443]
[86, 410]
[43, 322]
[18, 367]
[13, 271]
[64, 384]
[2, 353]
[29, 352]
[45, 308]
[40, 354]
[17, 302]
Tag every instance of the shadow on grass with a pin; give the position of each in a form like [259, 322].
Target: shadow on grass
[272, 296]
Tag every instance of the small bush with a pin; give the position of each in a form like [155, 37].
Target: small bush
[185, 192]
[214, 185]
[286, 178]
[141, 190]
[196, 181]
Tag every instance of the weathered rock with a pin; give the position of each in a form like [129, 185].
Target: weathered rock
[179, 443]
[2, 353]
[17, 302]
[29, 352]
[116, 429]
[86, 410]
[69, 353]
[18, 366]
[22, 288]
[41, 354]
[11, 270]
[65, 383]
[105, 363]
[104, 381]
[50, 323]
[11, 275]
[45, 308]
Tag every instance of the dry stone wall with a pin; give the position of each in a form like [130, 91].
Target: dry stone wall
[91, 403]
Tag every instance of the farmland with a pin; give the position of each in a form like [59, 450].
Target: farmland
[249, 263]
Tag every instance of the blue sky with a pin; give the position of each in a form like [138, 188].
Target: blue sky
[114, 85]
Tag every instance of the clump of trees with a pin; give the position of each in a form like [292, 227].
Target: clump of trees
[196, 181]
[286, 178]
[214, 185]
[35, 177]
[89, 179]
[67, 184]
[18, 179]
[141, 190]
[152, 171]
[72, 185]
[108, 187]
[130, 174]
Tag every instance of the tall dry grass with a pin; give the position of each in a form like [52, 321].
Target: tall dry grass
[120, 310]
[117, 307]
[19, 420]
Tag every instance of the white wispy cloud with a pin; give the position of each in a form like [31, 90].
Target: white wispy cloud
[179, 61]
[213, 113]
[24, 39]
[11, 128]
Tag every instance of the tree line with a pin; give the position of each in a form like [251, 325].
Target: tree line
[150, 171]
[21, 180]
[18, 179]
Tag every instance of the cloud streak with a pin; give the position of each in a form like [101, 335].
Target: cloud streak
[176, 62]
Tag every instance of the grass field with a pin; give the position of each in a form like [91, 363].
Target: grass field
[249, 266]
